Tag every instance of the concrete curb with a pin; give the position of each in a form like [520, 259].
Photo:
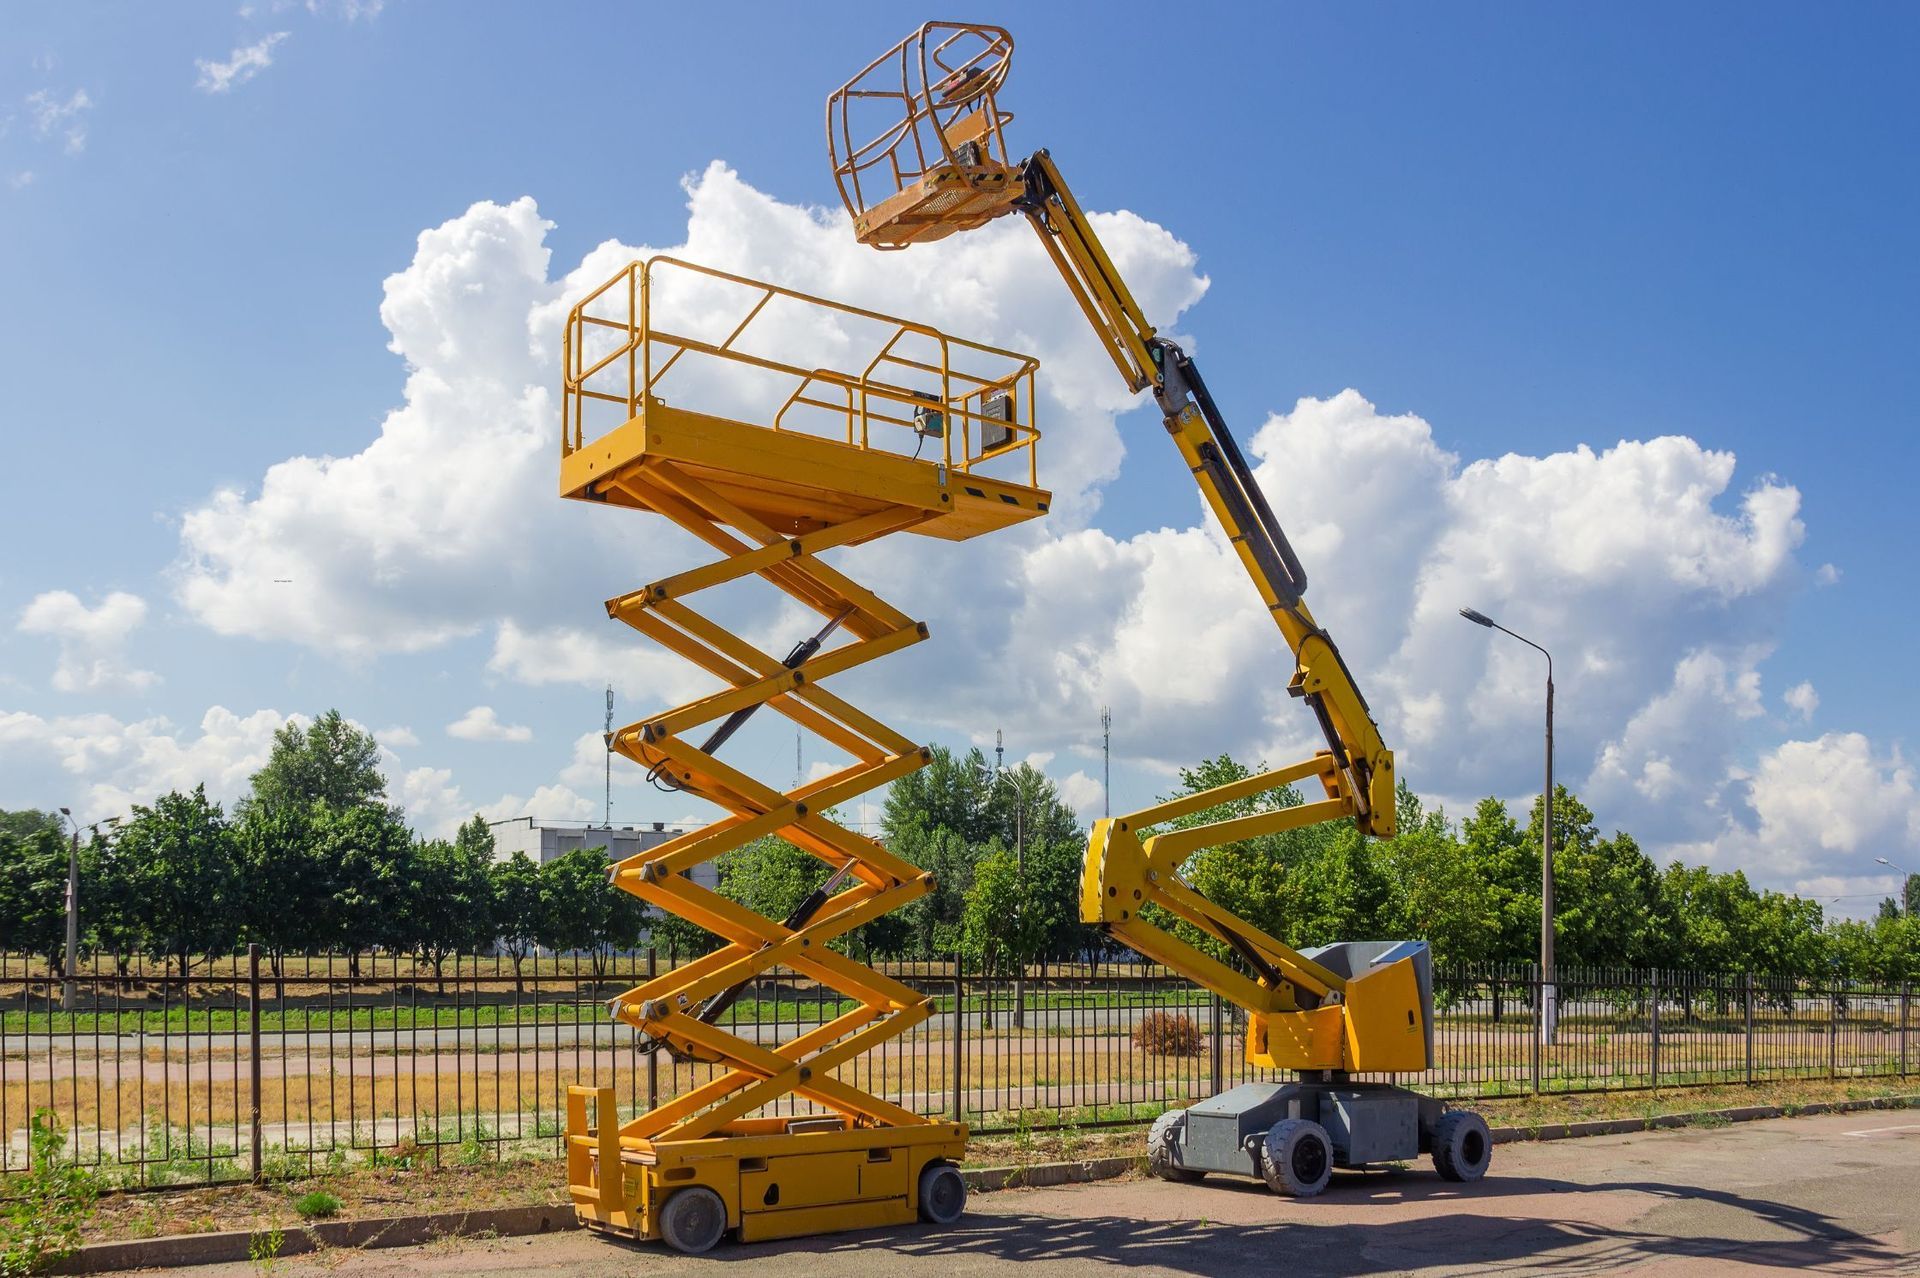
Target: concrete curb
[1738, 1114]
[1040, 1175]
[389, 1231]
[513, 1222]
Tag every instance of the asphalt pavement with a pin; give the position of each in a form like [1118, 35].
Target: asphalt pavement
[1835, 1194]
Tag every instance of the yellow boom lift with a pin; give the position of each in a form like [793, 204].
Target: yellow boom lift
[919, 152]
[775, 427]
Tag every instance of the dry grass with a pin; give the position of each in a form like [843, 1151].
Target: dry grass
[211, 1090]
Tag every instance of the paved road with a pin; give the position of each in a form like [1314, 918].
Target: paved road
[1836, 1194]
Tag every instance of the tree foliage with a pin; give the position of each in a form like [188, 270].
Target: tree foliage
[178, 857]
[315, 859]
[329, 762]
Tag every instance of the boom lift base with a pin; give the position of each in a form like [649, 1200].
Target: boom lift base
[912, 431]
[1293, 1135]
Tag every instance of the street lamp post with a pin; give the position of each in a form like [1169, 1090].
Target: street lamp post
[1906, 878]
[73, 905]
[1549, 1001]
[73, 915]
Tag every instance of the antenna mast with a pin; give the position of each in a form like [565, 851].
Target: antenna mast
[999, 752]
[607, 817]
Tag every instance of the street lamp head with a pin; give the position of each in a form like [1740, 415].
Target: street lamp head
[66, 812]
[1477, 618]
[1882, 860]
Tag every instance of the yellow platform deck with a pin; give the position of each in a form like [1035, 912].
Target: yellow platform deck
[795, 483]
[670, 364]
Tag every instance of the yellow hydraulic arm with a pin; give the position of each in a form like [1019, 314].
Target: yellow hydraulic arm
[941, 165]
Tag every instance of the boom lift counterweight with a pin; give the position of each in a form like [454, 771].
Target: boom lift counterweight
[919, 150]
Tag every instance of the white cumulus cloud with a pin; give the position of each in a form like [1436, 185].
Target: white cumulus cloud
[1653, 570]
[91, 640]
[242, 65]
[117, 763]
[63, 120]
[1802, 700]
[482, 724]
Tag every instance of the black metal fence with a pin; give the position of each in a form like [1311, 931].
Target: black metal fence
[240, 1069]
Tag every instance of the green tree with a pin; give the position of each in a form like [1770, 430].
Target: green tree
[329, 762]
[286, 877]
[995, 934]
[181, 866]
[769, 876]
[934, 921]
[1028, 815]
[28, 822]
[516, 909]
[953, 792]
[110, 914]
[369, 849]
[1433, 892]
[1508, 863]
[447, 903]
[581, 912]
[33, 893]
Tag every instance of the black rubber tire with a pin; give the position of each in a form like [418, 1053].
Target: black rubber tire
[943, 1194]
[1296, 1159]
[1462, 1146]
[692, 1220]
[1163, 1141]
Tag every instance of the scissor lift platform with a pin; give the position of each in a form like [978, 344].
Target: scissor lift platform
[938, 428]
[773, 427]
[793, 482]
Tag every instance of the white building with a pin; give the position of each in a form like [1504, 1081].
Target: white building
[544, 841]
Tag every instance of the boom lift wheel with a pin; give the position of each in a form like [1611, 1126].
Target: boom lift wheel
[1297, 1158]
[943, 1194]
[1163, 1142]
[693, 1220]
[1462, 1146]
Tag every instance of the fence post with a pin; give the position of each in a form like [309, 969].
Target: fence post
[1833, 1028]
[1219, 1042]
[1539, 1017]
[959, 1041]
[653, 1058]
[1749, 999]
[1653, 1003]
[1906, 1004]
[253, 1057]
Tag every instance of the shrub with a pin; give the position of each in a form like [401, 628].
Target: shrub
[41, 1222]
[317, 1205]
[1167, 1034]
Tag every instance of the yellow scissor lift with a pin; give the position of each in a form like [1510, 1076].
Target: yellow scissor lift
[774, 426]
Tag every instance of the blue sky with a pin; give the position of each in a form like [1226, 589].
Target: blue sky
[1527, 229]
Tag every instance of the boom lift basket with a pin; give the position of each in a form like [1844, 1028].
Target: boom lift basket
[916, 138]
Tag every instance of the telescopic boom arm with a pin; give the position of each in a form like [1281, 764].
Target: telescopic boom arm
[941, 165]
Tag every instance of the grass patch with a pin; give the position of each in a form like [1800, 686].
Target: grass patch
[317, 1205]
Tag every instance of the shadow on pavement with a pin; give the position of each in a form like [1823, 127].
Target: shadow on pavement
[1303, 1246]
